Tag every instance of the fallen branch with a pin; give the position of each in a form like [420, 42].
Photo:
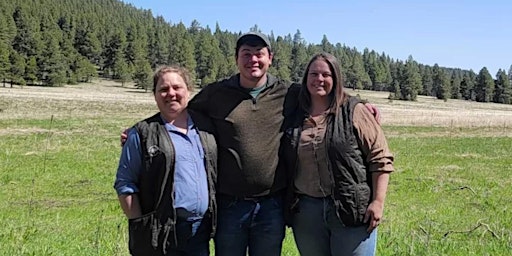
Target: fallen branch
[466, 187]
[424, 231]
[479, 224]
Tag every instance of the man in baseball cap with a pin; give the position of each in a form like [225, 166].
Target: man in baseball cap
[253, 38]
[246, 111]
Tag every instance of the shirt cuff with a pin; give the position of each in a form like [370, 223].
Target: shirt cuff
[126, 190]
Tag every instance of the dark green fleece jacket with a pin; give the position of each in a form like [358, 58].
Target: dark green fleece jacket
[248, 133]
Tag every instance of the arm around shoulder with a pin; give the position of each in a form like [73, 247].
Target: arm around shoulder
[200, 101]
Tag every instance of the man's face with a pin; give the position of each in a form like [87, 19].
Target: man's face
[253, 62]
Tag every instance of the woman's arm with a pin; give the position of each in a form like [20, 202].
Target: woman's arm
[376, 208]
[130, 205]
[379, 160]
[127, 176]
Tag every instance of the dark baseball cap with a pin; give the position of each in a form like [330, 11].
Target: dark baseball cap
[253, 38]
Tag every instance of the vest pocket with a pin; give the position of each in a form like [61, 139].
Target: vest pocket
[363, 195]
[351, 203]
[143, 235]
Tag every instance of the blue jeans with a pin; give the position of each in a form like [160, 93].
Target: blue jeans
[318, 231]
[257, 225]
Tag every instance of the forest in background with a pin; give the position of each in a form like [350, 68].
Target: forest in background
[57, 42]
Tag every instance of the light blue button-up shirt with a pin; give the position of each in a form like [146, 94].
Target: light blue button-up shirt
[190, 181]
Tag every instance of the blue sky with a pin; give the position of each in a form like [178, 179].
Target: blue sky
[469, 34]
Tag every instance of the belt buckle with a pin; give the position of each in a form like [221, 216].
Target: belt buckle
[254, 199]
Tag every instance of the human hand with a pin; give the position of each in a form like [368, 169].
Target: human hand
[374, 215]
[124, 137]
[374, 111]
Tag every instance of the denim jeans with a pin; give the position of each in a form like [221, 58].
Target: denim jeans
[256, 225]
[318, 231]
[199, 242]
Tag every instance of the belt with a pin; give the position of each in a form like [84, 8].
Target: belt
[248, 198]
[181, 213]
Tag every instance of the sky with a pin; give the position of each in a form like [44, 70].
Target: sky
[466, 34]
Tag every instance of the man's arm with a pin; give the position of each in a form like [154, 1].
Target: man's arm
[374, 111]
[200, 102]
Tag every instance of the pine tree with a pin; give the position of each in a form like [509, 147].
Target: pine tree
[357, 78]
[86, 41]
[255, 28]
[26, 42]
[131, 36]
[427, 81]
[195, 28]
[182, 49]
[226, 45]
[503, 91]
[136, 48]
[31, 70]
[412, 83]
[69, 53]
[5, 64]
[114, 53]
[455, 85]
[510, 73]
[8, 28]
[467, 85]
[386, 62]
[17, 68]
[52, 67]
[208, 56]
[376, 69]
[484, 87]
[397, 74]
[326, 46]
[83, 69]
[142, 74]
[158, 44]
[123, 72]
[281, 59]
[441, 86]
[342, 53]
[299, 58]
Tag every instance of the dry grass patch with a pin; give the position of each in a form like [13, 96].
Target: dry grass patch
[107, 98]
[97, 99]
[428, 111]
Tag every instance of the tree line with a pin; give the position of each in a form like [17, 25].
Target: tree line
[57, 42]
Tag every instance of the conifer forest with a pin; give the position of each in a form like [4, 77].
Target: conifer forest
[57, 42]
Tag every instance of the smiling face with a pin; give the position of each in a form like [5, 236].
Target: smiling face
[322, 83]
[253, 63]
[171, 95]
[319, 79]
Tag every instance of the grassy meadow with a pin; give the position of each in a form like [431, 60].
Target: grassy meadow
[59, 149]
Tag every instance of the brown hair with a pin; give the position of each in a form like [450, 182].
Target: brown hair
[181, 71]
[337, 95]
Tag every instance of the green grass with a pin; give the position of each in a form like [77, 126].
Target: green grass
[450, 194]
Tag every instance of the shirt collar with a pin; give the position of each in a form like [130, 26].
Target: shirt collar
[172, 127]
